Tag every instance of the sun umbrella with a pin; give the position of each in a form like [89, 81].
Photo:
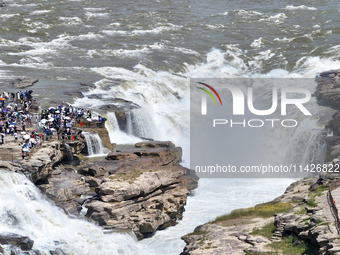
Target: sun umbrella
[43, 121]
[3, 99]
[51, 120]
[27, 136]
[67, 118]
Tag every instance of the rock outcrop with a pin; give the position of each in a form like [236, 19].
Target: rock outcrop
[67, 189]
[328, 92]
[143, 189]
[39, 167]
[328, 88]
[311, 222]
[25, 82]
[24, 243]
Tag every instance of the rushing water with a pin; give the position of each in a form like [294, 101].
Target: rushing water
[94, 144]
[28, 214]
[146, 51]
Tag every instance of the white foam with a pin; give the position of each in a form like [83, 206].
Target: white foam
[8, 16]
[257, 43]
[24, 211]
[224, 13]
[284, 39]
[277, 18]
[88, 36]
[90, 15]
[300, 7]
[215, 26]
[93, 9]
[71, 20]
[156, 30]
[39, 12]
[249, 13]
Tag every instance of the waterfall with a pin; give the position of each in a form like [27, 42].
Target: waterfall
[140, 123]
[24, 211]
[117, 135]
[95, 146]
[128, 123]
[68, 155]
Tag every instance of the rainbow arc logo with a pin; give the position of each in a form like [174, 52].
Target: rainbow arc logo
[209, 93]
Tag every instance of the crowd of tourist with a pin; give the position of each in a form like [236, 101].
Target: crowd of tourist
[32, 128]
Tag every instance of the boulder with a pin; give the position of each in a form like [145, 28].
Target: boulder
[86, 84]
[23, 242]
[328, 88]
[74, 93]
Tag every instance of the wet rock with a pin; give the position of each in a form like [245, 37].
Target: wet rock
[328, 89]
[121, 155]
[155, 144]
[39, 166]
[92, 181]
[57, 252]
[25, 82]
[85, 84]
[95, 96]
[154, 153]
[64, 187]
[142, 189]
[23, 242]
[74, 93]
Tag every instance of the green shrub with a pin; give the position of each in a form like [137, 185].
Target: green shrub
[266, 231]
[291, 245]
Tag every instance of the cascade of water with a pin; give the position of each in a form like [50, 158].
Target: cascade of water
[24, 211]
[128, 123]
[68, 155]
[116, 135]
[95, 146]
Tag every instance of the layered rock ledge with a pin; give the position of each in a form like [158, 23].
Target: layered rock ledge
[302, 214]
[142, 188]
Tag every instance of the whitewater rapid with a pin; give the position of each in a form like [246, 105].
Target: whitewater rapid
[24, 211]
[147, 51]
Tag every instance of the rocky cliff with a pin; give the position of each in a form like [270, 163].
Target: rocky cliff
[298, 222]
[142, 188]
[302, 221]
